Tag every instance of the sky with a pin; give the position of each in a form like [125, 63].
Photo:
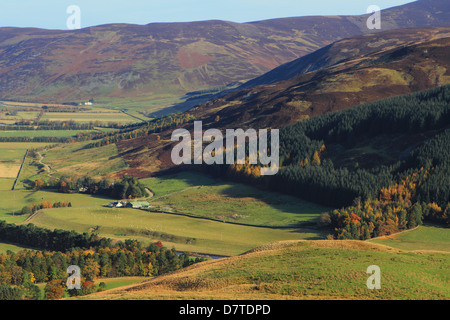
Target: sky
[52, 14]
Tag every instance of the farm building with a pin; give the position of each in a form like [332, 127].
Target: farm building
[116, 204]
[138, 204]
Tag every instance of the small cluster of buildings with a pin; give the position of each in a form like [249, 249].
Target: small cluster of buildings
[129, 204]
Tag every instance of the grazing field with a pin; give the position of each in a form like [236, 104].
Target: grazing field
[197, 195]
[184, 233]
[11, 157]
[302, 270]
[6, 183]
[12, 202]
[426, 237]
[164, 185]
[41, 133]
[19, 115]
[73, 160]
[4, 247]
[112, 283]
[84, 117]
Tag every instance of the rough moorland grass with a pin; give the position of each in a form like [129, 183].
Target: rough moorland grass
[427, 237]
[238, 204]
[303, 270]
[184, 233]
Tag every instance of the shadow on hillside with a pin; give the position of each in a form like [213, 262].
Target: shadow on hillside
[291, 208]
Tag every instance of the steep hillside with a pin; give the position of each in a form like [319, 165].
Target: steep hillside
[348, 73]
[409, 66]
[137, 64]
[301, 270]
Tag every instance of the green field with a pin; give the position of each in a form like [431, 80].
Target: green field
[112, 283]
[73, 160]
[185, 233]
[84, 117]
[164, 185]
[6, 183]
[40, 133]
[4, 247]
[11, 157]
[197, 196]
[12, 202]
[427, 237]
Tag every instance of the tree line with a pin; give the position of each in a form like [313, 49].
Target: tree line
[19, 272]
[50, 125]
[153, 126]
[127, 188]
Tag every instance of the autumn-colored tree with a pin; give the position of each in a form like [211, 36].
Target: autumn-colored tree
[38, 184]
[87, 287]
[46, 204]
[54, 289]
[316, 159]
[91, 269]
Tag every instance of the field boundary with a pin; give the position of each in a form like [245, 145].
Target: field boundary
[20, 170]
[308, 225]
[130, 115]
[393, 234]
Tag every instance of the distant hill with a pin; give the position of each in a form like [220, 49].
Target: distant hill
[135, 64]
[347, 73]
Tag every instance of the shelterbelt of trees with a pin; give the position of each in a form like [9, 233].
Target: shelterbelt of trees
[100, 138]
[96, 257]
[307, 172]
[49, 125]
[128, 187]
[157, 125]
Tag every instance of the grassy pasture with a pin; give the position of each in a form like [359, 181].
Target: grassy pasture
[40, 133]
[101, 116]
[112, 283]
[11, 247]
[6, 183]
[12, 202]
[72, 160]
[426, 237]
[11, 157]
[185, 233]
[197, 195]
[164, 185]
